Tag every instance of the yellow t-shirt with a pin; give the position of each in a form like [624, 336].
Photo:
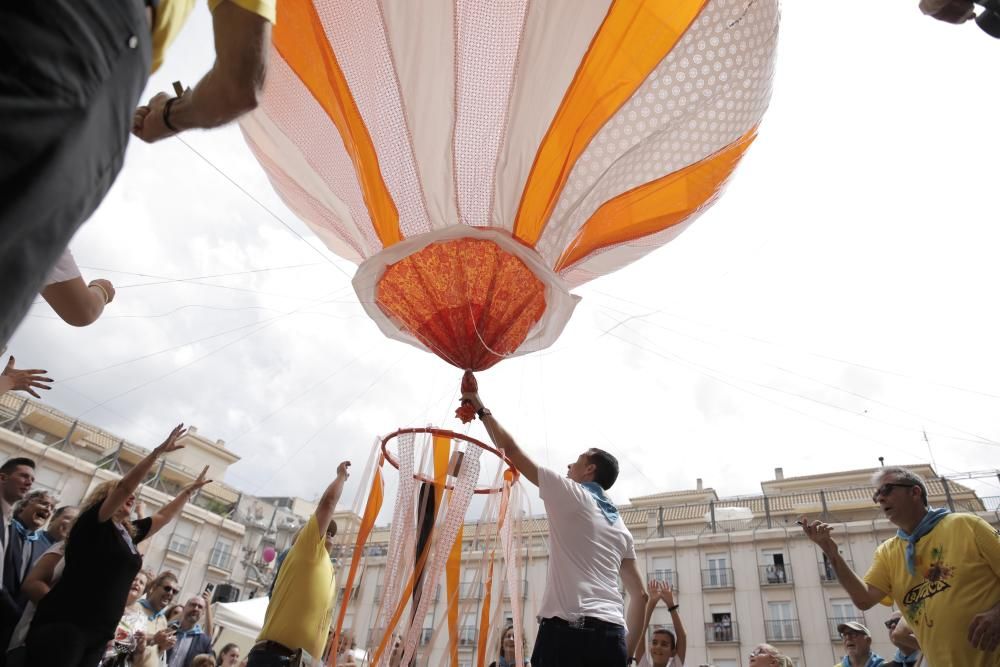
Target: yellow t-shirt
[957, 576]
[301, 606]
[171, 15]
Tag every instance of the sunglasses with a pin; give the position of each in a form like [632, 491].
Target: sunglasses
[892, 623]
[171, 590]
[886, 489]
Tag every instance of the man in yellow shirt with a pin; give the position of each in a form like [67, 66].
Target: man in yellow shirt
[301, 606]
[72, 74]
[941, 569]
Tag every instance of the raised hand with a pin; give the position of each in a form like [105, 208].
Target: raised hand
[198, 483]
[819, 532]
[343, 470]
[171, 444]
[14, 379]
[667, 593]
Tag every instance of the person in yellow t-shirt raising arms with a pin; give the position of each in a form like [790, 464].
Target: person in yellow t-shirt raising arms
[298, 614]
[941, 569]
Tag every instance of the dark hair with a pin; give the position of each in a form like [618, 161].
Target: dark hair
[607, 467]
[664, 631]
[158, 581]
[11, 464]
[59, 511]
[332, 524]
[225, 649]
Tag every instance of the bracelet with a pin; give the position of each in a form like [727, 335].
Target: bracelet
[674, 608]
[104, 292]
[483, 412]
[166, 114]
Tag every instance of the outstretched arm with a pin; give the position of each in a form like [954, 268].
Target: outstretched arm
[637, 601]
[15, 379]
[170, 510]
[227, 91]
[666, 594]
[78, 303]
[130, 481]
[500, 437]
[863, 595]
[653, 596]
[328, 503]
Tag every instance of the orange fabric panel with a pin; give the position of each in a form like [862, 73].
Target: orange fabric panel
[634, 37]
[657, 205]
[453, 573]
[467, 300]
[299, 37]
[368, 518]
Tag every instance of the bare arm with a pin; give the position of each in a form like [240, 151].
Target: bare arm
[902, 636]
[41, 577]
[170, 510]
[680, 634]
[130, 481]
[863, 595]
[328, 503]
[653, 596]
[637, 599]
[499, 435]
[77, 303]
[228, 90]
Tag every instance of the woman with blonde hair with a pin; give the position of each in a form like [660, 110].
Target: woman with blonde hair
[100, 565]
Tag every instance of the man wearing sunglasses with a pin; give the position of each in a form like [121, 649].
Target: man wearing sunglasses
[159, 638]
[941, 569]
[901, 636]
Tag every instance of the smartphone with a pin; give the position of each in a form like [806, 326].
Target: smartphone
[209, 587]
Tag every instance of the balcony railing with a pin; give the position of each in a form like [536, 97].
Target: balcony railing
[721, 633]
[467, 635]
[354, 593]
[782, 630]
[180, 545]
[222, 559]
[470, 590]
[775, 575]
[827, 574]
[668, 576]
[839, 620]
[721, 577]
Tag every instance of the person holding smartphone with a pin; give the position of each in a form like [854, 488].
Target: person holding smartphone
[190, 639]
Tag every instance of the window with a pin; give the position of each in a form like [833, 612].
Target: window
[780, 624]
[718, 570]
[182, 540]
[221, 555]
[663, 570]
[775, 571]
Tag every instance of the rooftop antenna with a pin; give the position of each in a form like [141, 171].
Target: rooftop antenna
[881, 461]
[929, 450]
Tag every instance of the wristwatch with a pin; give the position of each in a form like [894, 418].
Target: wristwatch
[483, 412]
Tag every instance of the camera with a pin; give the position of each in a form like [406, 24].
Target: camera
[989, 18]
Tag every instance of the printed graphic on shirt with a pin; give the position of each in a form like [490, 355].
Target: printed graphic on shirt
[936, 578]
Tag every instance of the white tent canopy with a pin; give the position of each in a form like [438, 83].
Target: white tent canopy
[240, 622]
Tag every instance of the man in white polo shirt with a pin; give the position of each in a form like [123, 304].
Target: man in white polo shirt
[582, 621]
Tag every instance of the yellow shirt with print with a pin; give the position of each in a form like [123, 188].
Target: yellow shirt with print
[301, 606]
[957, 576]
[171, 15]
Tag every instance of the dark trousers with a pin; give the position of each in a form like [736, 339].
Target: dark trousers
[65, 645]
[595, 644]
[272, 654]
[72, 74]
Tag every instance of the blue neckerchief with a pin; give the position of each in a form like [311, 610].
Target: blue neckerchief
[196, 630]
[153, 613]
[22, 530]
[607, 507]
[906, 659]
[874, 660]
[925, 526]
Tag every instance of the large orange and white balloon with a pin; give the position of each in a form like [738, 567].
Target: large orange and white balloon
[479, 158]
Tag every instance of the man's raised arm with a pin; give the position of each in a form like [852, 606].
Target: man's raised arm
[498, 434]
[863, 595]
[328, 503]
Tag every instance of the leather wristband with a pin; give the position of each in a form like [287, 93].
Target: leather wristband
[674, 608]
[166, 114]
[483, 412]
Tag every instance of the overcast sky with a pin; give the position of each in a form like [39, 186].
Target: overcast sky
[837, 301]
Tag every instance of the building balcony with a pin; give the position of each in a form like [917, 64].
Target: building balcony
[775, 575]
[181, 546]
[717, 578]
[467, 635]
[827, 574]
[782, 630]
[668, 576]
[221, 560]
[721, 633]
[839, 620]
[470, 590]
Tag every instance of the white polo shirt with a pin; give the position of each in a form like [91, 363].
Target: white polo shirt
[585, 553]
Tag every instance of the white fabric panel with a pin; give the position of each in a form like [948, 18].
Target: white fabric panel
[557, 34]
[423, 52]
[710, 90]
[355, 30]
[305, 158]
[487, 42]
